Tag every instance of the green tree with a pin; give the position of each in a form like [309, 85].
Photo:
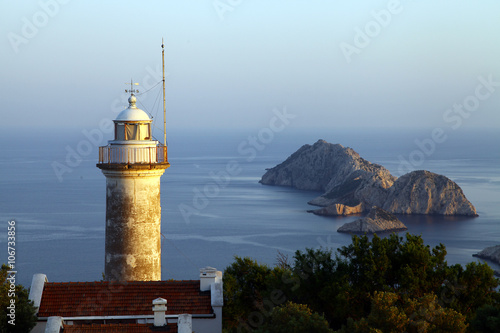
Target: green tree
[392, 314]
[342, 286]
[426, 315]
[409, 267]
[251, 291]
[386, 315]
[487, 320]
[469, 288]
[394, 263]
[25, 318]
[294, 318]
[319, 280]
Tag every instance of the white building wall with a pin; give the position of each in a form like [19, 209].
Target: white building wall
[207, 325]
[40, 327]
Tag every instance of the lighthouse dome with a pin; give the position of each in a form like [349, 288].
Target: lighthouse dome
[132, 113]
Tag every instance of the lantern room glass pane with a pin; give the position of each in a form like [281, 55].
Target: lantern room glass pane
[144, 132]
[120, 132]
[132, 131]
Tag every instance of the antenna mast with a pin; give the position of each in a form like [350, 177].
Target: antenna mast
[164, 106]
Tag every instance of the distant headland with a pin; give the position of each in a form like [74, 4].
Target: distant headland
[353, 185]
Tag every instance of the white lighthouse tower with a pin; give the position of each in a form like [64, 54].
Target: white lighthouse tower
[133, 164]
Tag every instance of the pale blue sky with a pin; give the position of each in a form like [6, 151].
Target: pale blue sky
[230, 69]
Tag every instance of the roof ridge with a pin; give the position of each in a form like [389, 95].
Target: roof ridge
[121, 282]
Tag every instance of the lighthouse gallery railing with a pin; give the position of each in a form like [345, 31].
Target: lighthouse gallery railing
[132, 155]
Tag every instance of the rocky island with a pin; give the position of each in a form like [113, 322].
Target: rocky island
[377, 221]
[491, 253]
[353, 185]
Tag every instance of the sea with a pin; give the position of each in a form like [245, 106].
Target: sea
[213, 206]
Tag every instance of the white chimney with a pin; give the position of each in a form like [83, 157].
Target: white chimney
[54, 325]
[159, 308]
[185, 323]
[207, 277]
[36, 290]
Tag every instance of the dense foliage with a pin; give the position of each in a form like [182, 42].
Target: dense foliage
[15, 306]
[294, 318]
[392, 314]
[487, 319]
[370, 285]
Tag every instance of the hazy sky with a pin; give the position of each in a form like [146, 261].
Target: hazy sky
[231, 62]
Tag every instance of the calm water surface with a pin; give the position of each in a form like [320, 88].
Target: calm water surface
[60, 223]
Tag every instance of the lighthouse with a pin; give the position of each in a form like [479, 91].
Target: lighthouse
[133, 164]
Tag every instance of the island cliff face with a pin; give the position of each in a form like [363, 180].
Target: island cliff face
[340, 172]
[424, 192]
[354, 185]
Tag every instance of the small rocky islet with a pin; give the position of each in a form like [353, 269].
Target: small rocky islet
[492, 254]
[353, 185]
[376, 221]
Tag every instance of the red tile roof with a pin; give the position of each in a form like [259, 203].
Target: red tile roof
[78, 299]
[119, 328]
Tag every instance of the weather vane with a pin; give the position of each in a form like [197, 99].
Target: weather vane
[132, 90]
